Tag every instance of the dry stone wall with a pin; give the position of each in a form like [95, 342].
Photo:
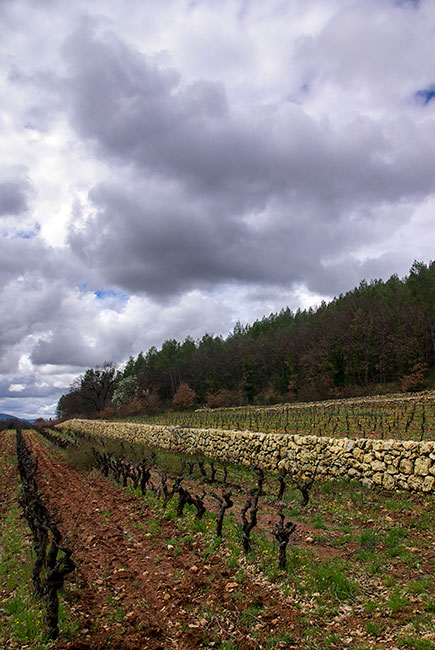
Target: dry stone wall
[392, 464]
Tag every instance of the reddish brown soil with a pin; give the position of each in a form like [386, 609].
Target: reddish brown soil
[8, 477]
[130, 590]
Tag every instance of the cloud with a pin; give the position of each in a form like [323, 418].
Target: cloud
[216, 196]
[16, 190]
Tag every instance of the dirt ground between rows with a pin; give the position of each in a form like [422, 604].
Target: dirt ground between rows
[130, 590]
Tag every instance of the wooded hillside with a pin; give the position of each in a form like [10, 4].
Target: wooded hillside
[378, 337]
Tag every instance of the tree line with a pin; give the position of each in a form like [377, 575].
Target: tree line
[378, 337]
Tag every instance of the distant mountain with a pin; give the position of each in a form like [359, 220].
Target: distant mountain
[6, 416]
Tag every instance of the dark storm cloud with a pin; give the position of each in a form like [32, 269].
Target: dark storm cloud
[161, 241]
[138, 112]
[214, 196]
[65, 347]
[15, 194]
[30, 388]
[68, 346]
[34, 258]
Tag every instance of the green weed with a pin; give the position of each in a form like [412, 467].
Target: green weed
[367, 539]
[397, 601]
[330, 576]
[375, 628]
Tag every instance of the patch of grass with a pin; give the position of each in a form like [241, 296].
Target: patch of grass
[367, 539]
[375, 628]
[318, 521]
[429, 606]
[420, 585]
[22, 618]
[389, 581]
[346, 528]
[277, 640]
[397, 601]
[327, 487]
[240, 576]
[227, 645]
[330, 576]
[372, 561]
[153, 526]
[394, 538]
[233, 560]
[401, 504]
[370, 606]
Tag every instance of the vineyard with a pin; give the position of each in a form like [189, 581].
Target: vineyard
[401, 417]
[181, 551]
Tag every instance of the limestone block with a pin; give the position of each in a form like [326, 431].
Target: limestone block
[427, 447]
[405, 466]
[421, 466]
[428, 484]
[409, 445]
[378, 478]
[378, 466]
[388, 482]
[416, 482]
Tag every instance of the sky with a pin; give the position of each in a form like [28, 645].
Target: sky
[171, 168]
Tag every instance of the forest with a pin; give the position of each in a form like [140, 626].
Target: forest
[377, 338]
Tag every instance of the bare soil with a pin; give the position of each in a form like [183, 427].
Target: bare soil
[130, 590]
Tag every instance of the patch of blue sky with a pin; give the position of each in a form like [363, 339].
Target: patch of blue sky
[106, 298]
[425, 95]
[111, 299]
[28, 234]
[102, 294]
